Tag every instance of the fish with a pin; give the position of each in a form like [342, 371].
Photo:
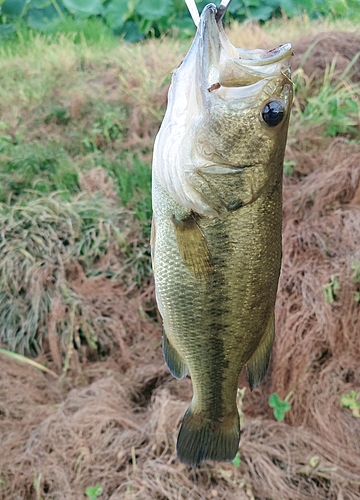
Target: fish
[217, 223]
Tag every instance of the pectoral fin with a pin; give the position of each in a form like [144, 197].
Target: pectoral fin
[176, 365]
[193, 247]
[258, 363]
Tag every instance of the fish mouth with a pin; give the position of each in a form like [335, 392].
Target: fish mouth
[224, 66]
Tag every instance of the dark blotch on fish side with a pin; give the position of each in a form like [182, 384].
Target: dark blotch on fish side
[234, 205]
[213, 434]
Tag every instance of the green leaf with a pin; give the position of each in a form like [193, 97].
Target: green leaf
[130, 31]
[237, 460]
[180, 6]
[351, 401]
[355, 265]
[279, 414]
[6, 30]
[183, 27]
[13, 8]
[274, 400]
[202, 3]
[338, 7]
[279, 407]
[275, 4]
[145, 26]
[92, 492]
[261, 13]
[154, 9]
[236, 7]
[116, 13]
[289, 167]
[331, 289]
[84, 7]
[290, 7]
[42, 19]
[251, 3]
[39, 4]
[352, 105]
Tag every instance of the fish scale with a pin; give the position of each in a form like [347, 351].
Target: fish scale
[216, 235]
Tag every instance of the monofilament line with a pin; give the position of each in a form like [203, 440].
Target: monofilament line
[191, 5]
[222, 9]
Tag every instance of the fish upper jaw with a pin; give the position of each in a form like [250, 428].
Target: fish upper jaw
[220, 65]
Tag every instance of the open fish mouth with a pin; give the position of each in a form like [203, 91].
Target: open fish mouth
[221, 65]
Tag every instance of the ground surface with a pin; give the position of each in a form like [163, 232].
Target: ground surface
[78, 293]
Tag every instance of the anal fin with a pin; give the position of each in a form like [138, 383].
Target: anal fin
[174, 362]
[257, 365]
[193, 247]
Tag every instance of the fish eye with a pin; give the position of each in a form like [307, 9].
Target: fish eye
[273, 113]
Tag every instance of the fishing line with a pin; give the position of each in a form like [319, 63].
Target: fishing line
[191, 5]
[222, 10]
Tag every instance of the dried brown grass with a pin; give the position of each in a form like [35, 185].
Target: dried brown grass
[316, 53]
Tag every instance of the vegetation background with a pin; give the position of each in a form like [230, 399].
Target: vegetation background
[83, 88]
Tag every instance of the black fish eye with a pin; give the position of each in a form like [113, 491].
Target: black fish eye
[273, 113]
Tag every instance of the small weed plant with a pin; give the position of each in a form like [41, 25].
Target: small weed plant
[93, 492]
[351, 401]
[331, 290]
[237, 460]
[279, 406]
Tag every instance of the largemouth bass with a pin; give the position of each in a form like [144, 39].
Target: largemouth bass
[216, 233]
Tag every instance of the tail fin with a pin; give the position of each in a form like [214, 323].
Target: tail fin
[202, 439]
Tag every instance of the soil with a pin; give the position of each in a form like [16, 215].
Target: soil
[113, 422]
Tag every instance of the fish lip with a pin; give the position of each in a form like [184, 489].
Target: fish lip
[209, 27]
[270, 56]
[216, 51]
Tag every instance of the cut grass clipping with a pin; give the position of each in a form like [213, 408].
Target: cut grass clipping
[31, 362]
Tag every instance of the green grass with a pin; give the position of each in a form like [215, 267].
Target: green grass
[35, 167]
[333, 108]
[91, 31]
[133, 178]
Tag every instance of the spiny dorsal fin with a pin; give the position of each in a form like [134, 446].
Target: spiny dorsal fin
[258, 363]
[176, 365]
[193, 247]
